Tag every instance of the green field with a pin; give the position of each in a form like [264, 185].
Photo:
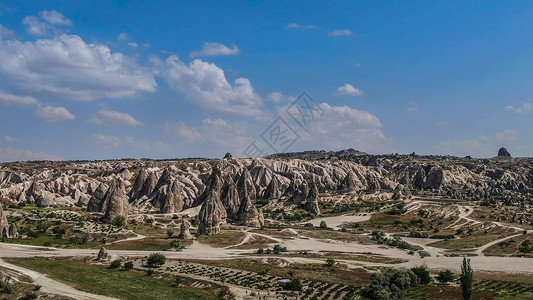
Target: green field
[98, 279]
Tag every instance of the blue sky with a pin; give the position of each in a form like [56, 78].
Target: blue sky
[164, 79]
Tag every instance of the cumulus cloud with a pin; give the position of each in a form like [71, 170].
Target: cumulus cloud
[278, 97]
[66, 67]
[53, 114]
[526, 108]
[344, 127]
[114, 118]
[299, 26]
[213, 134]
[349, 90]
[106, 141]
[35, 27]
[55, 18]
[215, 49]
[122, 36]
[507, 135]
[10, 154]
[342, 32]
[12, 100]
[5, 33]
[413, 106]
[206, 85]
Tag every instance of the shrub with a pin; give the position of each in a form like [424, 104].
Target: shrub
[128, 265]
[391, 284]
[28, 296]
[293, 285]
[115, 264]
[323, 224]
[149, 272]
[330, 262]
[170, 233]
[446, 276]
[422, 273]
[118, 221]
[156, 260]
[260, 251]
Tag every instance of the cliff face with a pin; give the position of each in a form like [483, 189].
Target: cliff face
[233, 186]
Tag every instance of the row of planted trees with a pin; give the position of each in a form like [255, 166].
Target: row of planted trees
[392, 283]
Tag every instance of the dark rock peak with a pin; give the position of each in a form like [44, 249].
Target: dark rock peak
[228, 155]
[504, 152]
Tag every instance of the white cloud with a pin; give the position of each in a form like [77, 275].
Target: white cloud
[35, 27]
[106, 141]
[507, 135]
[122, 36]
[299, 26]
[114, 118]
[9, 154]
[526, 108]
[344, 127]
[215, 49]
[348, 89]
[66, 67]
[342, 32]
[443, 123]
[10, 100]
[133, 44]
[214, 135]
[5, 33]
[413, 106]
[206, 85]
[55, 18]
[278, 97]
[9, 139]
[54, 114]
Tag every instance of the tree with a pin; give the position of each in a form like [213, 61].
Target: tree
[423, 274]
[330, 262]
[323, 224]
[525, 247]
[446, 276]
[170, 233]
[128, 265]
[115, 264]
[467, 279]
[293, 285]
[118, 221]
[156, 260]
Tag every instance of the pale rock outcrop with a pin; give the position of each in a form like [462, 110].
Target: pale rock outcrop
[212, 215]
[3, 219]
[230, 197]
[273, 190]
[115, 203]
[185, 234]
[169, 198]
[13, 232]
[248, 214]
[95, 203]
[245, 185]
[102, 254]
[311, 203]
[138, 185]
[213, 184]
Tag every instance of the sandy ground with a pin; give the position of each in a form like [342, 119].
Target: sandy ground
[337, 221]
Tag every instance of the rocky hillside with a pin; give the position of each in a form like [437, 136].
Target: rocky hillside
[235, 189]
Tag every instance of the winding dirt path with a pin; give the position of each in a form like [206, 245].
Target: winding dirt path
[54, 287]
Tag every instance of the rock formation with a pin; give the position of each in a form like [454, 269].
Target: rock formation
[138, 185]
[504, 152]
[248, 214]
[185, 234]
[246, 185]
[115, 203]
[230, 198]
[102, 254]
[212, 214]
[311, 203]
[213, 185]
[273, 190]
[13, 232]
[95, 203]
[228, 155]
[3, 219]
[169, 198]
